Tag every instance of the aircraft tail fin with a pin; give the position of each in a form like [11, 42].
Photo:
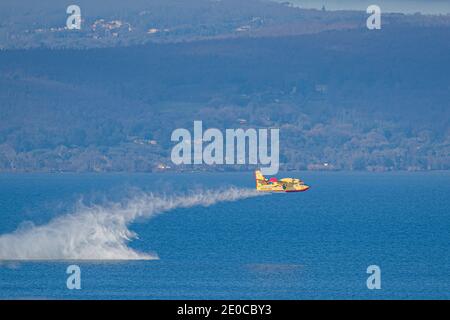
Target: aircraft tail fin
[259, 177]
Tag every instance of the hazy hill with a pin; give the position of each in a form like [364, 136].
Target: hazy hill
[110, 23]
[349, 98]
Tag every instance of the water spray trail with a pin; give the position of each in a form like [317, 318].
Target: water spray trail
[101, 232]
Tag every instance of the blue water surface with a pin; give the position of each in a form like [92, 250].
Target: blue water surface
[312, 245]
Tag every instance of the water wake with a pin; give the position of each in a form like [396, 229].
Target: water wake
[101, 232]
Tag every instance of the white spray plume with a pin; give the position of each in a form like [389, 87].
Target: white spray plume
[101, 232]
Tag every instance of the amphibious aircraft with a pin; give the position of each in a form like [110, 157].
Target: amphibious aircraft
[282, 185]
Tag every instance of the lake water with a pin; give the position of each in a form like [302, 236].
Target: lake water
[402, 6]
[213, 241]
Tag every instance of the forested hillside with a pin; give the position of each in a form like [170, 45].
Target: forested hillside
[344, 98]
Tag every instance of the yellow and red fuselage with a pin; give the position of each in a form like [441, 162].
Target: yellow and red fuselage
[282, 185]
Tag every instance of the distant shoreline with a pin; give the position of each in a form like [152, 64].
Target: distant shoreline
[388, 6]
[173, 172]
